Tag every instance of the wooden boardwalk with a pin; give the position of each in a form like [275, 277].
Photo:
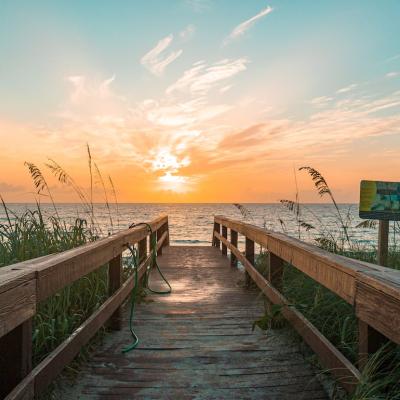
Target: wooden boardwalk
[197, 343]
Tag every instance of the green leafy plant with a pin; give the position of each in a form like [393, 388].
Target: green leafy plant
[272, 319]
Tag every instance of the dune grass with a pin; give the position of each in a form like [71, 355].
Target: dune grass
[33, 234]
[328, 312]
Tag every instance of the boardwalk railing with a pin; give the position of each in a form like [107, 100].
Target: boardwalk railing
[374, 291]
[24, 285]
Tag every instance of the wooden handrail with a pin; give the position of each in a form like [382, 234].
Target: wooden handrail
[24, 285]
[373, 290]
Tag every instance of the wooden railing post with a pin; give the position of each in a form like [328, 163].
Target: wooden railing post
[369, 341]
[274, 276]
[383, 242]
[217, 227]
[234, 241]
[153, 240]
[142, 248]
[225, 235]
[15, 356]
[167, 230]
[275, 271]
[249, 252]
[114, 283]
[160, 232]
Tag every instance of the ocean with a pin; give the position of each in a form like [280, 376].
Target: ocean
[191, 224]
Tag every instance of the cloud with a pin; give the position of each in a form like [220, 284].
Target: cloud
[199, 6]
[104, 89]
[225, 88]
[244, 26]
[392, 74]
[172, 113]
[81, 88]
[321, 101]
[8, 188]
[347, 88]
[78, 83]
[201, 78]
[393, 58]
[155, 62]
[164, 161]
[248, 137]
[188, 32]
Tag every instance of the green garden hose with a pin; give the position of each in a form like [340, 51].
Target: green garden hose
[146, 280]
[135, 259]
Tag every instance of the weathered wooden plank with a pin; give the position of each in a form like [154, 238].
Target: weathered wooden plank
[329, 356]
[71, 265]
[142, 248]
[55, 272]
[385, 280]
[234, 242]
[340, 282]
[249, 254]
[369, 341]
[387, 320]
[335, 272]
[15, 356]
[275, 271]
[25, 390]
[160, 233]
[166, 243]
[190, 343]
[18, 303]
[225, 235]
[217, 228]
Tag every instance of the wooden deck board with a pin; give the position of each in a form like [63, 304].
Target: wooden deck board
[197, 343]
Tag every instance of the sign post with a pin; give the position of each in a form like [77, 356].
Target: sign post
[383, 242]
[380, 200]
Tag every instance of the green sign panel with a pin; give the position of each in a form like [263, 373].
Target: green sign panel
[380, 200]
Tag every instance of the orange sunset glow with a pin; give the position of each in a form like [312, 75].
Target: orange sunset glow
[183, 113]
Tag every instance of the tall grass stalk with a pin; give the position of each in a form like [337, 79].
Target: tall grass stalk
[329, 313]
[33, 234]
[100, 177]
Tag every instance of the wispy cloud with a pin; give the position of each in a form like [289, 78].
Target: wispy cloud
[188, 32]
[78, 82]
[9, 187]
[201, 78]
[199, 6]
[155, 61]
[393, 58]
[246, 25]
[321, 101]
[392, 74]
[347, 88]
[81, 88]
[225, 88]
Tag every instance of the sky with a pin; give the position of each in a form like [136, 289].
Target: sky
[200, 100]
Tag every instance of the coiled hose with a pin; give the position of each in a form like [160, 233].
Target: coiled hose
[146, 281]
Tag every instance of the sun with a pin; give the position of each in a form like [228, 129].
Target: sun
[164, 161]
[175, 183]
